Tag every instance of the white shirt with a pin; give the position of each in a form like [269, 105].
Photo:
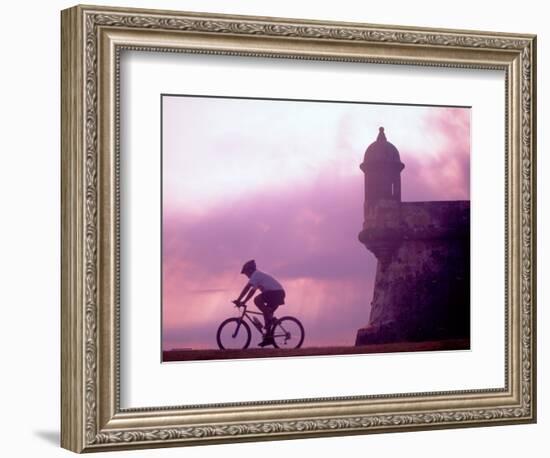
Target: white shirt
[264, 281]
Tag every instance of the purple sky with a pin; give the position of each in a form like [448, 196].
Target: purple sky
[279, 181]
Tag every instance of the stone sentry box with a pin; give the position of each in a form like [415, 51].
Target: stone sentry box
[422, 285]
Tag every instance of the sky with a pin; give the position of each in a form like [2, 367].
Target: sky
[279, 182]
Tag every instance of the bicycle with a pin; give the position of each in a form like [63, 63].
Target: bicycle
[235, 334]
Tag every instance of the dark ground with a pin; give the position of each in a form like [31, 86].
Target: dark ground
[268, 352]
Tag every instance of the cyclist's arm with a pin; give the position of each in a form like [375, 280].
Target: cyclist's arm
[247, 289]
[250, 293]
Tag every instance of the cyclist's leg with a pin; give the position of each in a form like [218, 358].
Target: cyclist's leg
[272, 301]
[268, 317]
[259, 300]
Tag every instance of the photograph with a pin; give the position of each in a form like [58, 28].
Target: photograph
[313, 227]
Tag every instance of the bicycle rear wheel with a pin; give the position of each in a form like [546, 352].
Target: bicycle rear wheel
[288, 332]
[233, 334]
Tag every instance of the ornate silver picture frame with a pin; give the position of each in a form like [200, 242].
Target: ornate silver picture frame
[93, 40]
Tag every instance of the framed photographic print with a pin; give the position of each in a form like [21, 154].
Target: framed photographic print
[344, 212]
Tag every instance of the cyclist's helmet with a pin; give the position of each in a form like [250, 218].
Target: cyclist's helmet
[249, 266]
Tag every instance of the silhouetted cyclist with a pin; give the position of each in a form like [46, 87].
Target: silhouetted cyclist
[272, 295]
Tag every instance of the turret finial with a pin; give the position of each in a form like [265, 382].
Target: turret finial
[381, 135]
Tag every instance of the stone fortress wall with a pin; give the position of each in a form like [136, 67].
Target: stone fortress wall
[422, 285]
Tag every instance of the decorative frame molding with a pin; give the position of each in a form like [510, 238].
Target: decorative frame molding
[92, 38]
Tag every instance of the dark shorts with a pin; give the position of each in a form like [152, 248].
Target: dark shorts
[273, 298]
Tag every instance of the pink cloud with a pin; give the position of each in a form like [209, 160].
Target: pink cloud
[444, 172]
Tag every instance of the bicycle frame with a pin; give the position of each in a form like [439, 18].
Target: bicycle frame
[246, 313]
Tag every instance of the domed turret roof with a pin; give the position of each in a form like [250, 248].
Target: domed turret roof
[382, 150]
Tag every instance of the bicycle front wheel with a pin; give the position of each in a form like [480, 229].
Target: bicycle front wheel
[233, 334]
[288, 333]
